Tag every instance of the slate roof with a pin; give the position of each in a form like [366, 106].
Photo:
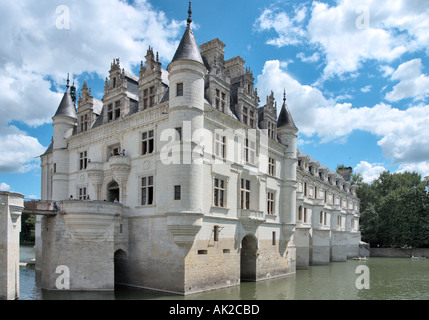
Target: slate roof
[66, 107]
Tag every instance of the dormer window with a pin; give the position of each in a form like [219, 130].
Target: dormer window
[114, 83]
[84, 123]
[110, 112]
[117, 109]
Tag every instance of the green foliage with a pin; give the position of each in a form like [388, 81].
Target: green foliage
[28, 223]
[395, 210]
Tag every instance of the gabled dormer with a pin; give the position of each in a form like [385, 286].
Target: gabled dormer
[88, 109]
[268, 116]
[244, 97]
[120, 93]
[153, 81]
[217, 81]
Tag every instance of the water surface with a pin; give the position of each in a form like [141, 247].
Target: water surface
[389, 278]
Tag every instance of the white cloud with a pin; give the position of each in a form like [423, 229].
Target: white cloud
[315, 57]
[349, 33]
[369, 171]
[403, 134]
[366, 89]
[35, 57]
[4, 187]
[412, 83]
[19, 153]
[288, 29]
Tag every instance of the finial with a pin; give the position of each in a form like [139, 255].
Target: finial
[284, 96]
[68, 80]
[189, 14]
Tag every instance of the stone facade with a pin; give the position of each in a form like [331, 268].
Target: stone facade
[209, 184]
[11, 206]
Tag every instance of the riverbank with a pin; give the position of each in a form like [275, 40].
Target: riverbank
[399, 252]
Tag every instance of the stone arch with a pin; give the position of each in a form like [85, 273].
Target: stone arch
[120, 266]
[112, 191]
[248, 257]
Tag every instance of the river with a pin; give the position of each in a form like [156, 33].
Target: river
[388, 279]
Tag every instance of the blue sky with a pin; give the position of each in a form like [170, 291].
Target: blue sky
[356, 72]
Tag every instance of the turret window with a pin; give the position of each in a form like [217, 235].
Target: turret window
[179, 90]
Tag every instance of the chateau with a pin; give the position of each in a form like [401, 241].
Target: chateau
[179, 181]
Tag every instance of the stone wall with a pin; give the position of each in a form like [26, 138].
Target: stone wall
[11, 206]
[399, 252]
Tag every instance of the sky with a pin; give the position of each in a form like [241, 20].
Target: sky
[356, 72]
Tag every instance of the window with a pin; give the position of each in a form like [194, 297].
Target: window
[117, 109]
[216, 233]
[151, 96]
[305, 214]
[271, 130]
[82, 194]
[220, 146]
[83, 160]
[305, 188]
[147, 191]
[274, 238]
[339, 221]
[55, 167]
[272, 167]
[245, 115]
[110, 112]
[114, 83]
[220, 100]
[179, 90]
[251, 118]
[270, 203]
[249, 151]
[177, 192]
[219, 193]
[148, 142]
[179, 133]
[323, 219]
[145, 99]
[84, 123]
[148, 97]
[300, 213]
[245, 194]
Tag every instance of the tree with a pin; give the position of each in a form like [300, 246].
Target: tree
[395, 210]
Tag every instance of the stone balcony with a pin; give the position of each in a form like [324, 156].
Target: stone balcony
[251, 219]
[120, 167]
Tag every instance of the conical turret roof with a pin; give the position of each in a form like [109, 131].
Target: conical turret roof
[188, 48]
[66, 107]
[285, 118]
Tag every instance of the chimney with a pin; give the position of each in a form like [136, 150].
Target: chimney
[346, 173]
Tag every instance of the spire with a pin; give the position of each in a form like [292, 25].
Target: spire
[66, 107]
[189, 14]
[188, 48]
[285, 118]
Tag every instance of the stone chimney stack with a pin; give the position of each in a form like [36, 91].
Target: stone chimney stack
[346, 173]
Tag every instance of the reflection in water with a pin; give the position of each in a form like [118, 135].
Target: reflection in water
[390, 278]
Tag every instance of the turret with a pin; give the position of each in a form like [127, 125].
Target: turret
[287, 135]
[186, 108]
[64, 122]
